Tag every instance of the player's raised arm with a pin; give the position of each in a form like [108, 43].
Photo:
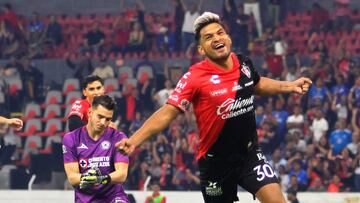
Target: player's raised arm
[152, 126]
[267, 86]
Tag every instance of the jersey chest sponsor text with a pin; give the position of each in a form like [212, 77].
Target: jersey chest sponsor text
[234, 107]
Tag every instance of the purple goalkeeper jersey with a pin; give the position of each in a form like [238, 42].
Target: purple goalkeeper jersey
[79, 147]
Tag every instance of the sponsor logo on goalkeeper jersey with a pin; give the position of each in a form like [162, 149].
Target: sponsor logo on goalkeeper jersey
[101, 161]
[64, 149]
[232, 108]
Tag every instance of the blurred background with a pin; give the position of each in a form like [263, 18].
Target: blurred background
[142, 47]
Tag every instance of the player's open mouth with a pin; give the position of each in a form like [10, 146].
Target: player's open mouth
[219, 46]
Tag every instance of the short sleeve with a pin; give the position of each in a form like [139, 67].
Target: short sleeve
[246, 62]
[77, 109]
[183, 93]
[119, 157]
[69, 149]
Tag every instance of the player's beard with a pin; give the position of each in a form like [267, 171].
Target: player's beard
[218, 58]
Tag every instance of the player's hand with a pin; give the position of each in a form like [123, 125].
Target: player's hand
[125, 146]
[301, 85]
[15, 123]
[93, 177]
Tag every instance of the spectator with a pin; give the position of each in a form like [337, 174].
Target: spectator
[94, 39]
[281, 116]
[191, 13]
[319, 126]
[230, 15]
[104, 70]
[81, 67]
[341, 107]
[340, 137]
[353, 146]
[162, 95]
[241, 38]
[34, 35]
[252, 7]
[317, 186]
[167, 172]
[53, 32]
[291, 195]
[342, 20]
[122, 34]
[178, 23]
[296, 120]
[10, 45]
[277, 161]
[136, 123]
[319, 93]
[336, 185]
[339, 89]
[33, 80]
[274, 11]
[300, 173]
[319, 18]
[283, 177]
[156, 196]
[10, 16]
[354, 95]
[136, 41]
[356, 165]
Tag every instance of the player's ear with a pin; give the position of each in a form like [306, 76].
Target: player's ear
[200, 50]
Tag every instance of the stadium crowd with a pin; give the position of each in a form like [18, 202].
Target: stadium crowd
[312, 141]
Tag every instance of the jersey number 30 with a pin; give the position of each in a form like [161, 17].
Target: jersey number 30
[263, 171]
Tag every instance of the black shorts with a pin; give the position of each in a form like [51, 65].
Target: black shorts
[220, 176]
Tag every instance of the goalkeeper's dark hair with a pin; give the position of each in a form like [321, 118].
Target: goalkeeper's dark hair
[105, 101]
[202, 21]
[90, 79]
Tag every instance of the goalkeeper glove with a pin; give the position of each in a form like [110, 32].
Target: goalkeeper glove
[93, 177]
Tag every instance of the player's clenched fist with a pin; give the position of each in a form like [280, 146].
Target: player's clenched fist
[301, 85]
[125, 146]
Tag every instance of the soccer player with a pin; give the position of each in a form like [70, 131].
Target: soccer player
[92, 163]
[13, 122]
[92, 86]
[221, 89]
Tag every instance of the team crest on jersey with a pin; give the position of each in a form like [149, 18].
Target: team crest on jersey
[246, 70]
[185, 104]
[83, 163]
[105, 145]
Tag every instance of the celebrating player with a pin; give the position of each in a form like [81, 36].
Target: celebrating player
[221, 89]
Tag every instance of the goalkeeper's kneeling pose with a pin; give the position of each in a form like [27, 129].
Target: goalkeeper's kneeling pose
[92, 164]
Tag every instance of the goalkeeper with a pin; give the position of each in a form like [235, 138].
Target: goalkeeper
[92, 164]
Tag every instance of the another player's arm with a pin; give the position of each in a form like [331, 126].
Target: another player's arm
[73, 173]
[268, 86]
[120, 173]
[13, 122]
[75, 122]
[155, 124]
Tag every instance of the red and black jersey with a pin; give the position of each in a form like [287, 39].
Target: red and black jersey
[223, 104]
[80, 108]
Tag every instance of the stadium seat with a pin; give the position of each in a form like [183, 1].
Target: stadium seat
[125, 72]
[111, 84]
[38, 168]
[70, 84]
[129, 85]
[71, 97]
[53, 126]
[115, 94]
[53, 97]
[14, 83]
[51, 111]
[48, 148]
[142, 70]
[32, 126]
[32, 110]
[32, 146]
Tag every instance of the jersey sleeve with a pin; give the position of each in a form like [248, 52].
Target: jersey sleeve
[247, 62]
[184, 92]
[69, 149]
[119, 157]
[78, 109]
